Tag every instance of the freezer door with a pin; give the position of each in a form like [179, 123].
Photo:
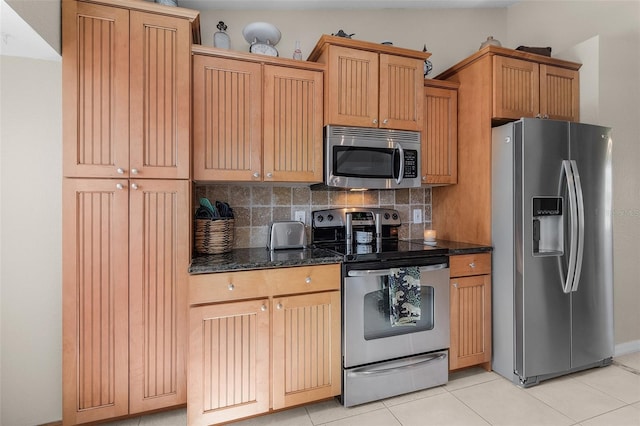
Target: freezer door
[542, 308]
[592, 301]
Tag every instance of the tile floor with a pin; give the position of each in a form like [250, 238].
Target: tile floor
[607, 396]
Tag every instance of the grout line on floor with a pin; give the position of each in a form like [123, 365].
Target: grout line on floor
[626, 368]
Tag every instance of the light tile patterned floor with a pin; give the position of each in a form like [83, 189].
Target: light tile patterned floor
[607, 396]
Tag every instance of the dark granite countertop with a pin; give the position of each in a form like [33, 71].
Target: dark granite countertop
[242, 259]
[260, 258]
[456, 247]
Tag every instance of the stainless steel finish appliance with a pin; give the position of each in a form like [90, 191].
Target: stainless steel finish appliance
[287, 235]
[379, 359]
[552, 259]
[356, 157]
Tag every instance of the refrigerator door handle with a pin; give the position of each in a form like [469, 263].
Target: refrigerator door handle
[580, 205]
[573, 214]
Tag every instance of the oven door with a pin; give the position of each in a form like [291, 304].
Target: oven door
[368, 335]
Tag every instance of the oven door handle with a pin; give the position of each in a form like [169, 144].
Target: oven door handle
[383, 272]
[421, 360]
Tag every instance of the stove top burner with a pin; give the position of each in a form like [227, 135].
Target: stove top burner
[389, 250]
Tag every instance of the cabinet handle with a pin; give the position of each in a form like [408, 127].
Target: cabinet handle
[385, 121]
[120, 170]
[231, 287]
[424, 178]
[546, 116]
[279, 306]
[538, 116]
[119, 186]
[269, 175]
[134, 171]
[256, 175]
[375, 121]
[263, 308]
[455, 285]
[134, 186]
[308, 280]
[472, 265]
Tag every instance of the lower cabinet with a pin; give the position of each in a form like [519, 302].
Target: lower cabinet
[279, 349]
[470, 303]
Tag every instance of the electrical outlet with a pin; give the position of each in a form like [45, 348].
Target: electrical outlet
[417, 216]
[299, 216]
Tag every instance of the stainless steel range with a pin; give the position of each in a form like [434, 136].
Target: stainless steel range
[395, 304]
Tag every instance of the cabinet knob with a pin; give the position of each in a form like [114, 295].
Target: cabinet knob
[472, 265]
[455, 285]
[279, 306]
[424, 178]
[134, 186]
[269, 175]
[375, 121]
[546, 116]
[119, 186]
[256, 175]
[308, 280]
[231, 287]
[263, 308]
[134, 171]
[385, 121]
[120, 170]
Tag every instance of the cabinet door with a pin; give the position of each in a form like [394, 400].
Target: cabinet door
[516, 86]
[470, 322]
[352, 92]
[559, 93]
[228, 362]
[160, 96]
[95, 41]
[159, 260]
[292, 131]
[401, 100]
[440, 136]
[306, 348]
[95, 300]
[227, 119]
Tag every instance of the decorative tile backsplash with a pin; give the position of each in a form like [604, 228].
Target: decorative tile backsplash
[256, 206]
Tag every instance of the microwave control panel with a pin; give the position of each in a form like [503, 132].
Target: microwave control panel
[410, 163]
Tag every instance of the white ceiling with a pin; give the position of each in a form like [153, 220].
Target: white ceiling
[340, 4]
[17, 38]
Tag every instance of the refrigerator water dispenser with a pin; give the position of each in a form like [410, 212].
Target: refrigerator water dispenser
[548, 233]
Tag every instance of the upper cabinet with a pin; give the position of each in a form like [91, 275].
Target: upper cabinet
[256, 118]
[370, 84]
[523, 88]
[126, 90]
[440, 133]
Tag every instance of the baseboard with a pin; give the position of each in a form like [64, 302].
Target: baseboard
[627, 348]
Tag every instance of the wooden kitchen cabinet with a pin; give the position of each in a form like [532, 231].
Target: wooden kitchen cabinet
[278, 349]
[371, 85]
[462, 212]
[126, 86]
[127, 216]
[470, 302]
[256, 118]
[125, 257]
[524, 88]
[440, 133]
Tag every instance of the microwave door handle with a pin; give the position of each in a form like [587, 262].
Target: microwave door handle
[401, 171]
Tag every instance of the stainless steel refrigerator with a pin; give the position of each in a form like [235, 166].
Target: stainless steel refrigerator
[552, 261]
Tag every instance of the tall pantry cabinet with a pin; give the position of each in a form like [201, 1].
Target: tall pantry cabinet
[126, 207]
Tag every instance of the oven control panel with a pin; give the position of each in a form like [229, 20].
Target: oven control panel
[332, 218]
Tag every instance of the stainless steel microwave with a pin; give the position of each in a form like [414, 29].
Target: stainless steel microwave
[364, 158]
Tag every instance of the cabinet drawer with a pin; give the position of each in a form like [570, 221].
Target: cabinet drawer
[225, 286]
[304, 279]
[470, 264]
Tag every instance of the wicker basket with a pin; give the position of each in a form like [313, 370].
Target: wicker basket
[214, 236]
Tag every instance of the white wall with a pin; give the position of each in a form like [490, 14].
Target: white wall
[30, 255]
[614, 27]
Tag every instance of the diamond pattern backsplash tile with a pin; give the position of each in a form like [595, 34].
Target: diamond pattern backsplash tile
[256, 206]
